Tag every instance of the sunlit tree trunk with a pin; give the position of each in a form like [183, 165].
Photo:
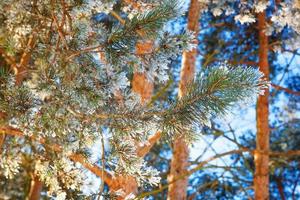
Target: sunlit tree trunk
[179, 162]
[36, 187]
[261, 178]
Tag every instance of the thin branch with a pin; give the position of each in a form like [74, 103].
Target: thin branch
[86, 50]
[287, 90]
[188, 173]
[118, 17]
[142, 151]
[103, 162]
[290, 153]
[231, 172]
[21, 68]
[287, 67]
[8, 59]
[2, 140]
[280, 187]
[295, 186]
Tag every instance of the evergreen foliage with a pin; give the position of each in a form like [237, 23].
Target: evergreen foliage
[77, 62]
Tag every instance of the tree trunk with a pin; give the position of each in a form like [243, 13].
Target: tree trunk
[179, 162]
[35, 189]
[261, 177]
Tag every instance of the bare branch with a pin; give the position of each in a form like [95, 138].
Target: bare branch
[142, 151]
[205, 162]
[287, 90]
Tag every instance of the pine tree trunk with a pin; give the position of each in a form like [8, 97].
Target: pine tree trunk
[179, 162]
[35, 189]
[261, 177]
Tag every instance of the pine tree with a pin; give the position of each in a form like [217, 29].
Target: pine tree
[261, 177]
[58, 99]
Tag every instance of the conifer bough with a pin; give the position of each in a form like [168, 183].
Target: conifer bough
[64, 99]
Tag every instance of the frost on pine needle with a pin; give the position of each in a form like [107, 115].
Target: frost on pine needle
[68, 96]
[245, 18]
[10, 166]
[60, 172]
[288, 15]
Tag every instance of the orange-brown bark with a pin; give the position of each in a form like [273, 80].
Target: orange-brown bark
[261, 177]
[179, 162]
[143, 150]
[287, 90]
[140, 84]
[35, 189]
[127, 184]
[3, 116]
[22, 68]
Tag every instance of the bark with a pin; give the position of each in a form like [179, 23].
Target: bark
[140, 84]
[287, 90]
[142, 151]
[35, 189]
[22, 68]
[3, 116]
[127, 184]
[179, 162]
[261, 177]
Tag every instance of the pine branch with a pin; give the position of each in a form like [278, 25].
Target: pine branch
[123, 39]
[106, 176]
[152, 21]
[9, 59]
[213, 94]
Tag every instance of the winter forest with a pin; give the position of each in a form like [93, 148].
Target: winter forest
[150, 99]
